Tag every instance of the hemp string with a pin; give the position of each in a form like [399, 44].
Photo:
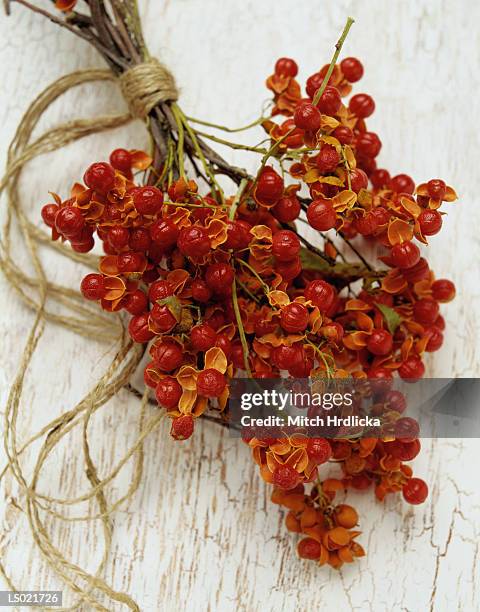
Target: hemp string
[143, 87]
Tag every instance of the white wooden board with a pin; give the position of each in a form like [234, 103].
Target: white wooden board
[201, 533]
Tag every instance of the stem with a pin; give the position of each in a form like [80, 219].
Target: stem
[357, 253]
[338, 48]
[115, 61]
[237, 198]
[347, 168]
[264, 285]
[232, 145]
[248, 292]
[241, 331]
[328, 369]
[208, 170]
[224, 128]
[180, 151]
[272, 150]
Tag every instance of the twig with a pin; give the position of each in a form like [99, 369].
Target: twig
[338, 48]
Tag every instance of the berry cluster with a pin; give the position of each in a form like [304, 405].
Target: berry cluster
[216, 285]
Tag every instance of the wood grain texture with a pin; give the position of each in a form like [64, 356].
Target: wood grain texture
[201, 533]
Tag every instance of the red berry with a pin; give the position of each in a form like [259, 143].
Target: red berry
[415, 491]
[269, 187]
[130, 262]
[237, 355]
[182, 427]
[49, 212]
[405, 254]
[219, 277]
[168, 392]
[139, 330]
[417, 272]
[139, 239]
[69, 221]
[83, 242]
[93, 287]
[430, 222]
[402, 183]
[319, 450]
[443, 290]
[286, 477]
[380, 379]
[301, 366]
[321, 215]
[294, 318]
[286, 67]
[245, 231]
[286, 210]
[121, 160]
[216, 320]
[352, 69]
[194, 241]
[380, 178]
[367, 164]
[367, 225]
[362, 105]
[223, 342]
[330, 101]
[210, 383]
[238, 235]
[435, 339]
[380, 342]
[289, 270]
[313, 83]
[164, 233]
[406, 429]
[148, 200]
[162, 318]
[328, 158]
[282, 356]
[100, 177]
[307, 117]
[285, 245]
[118, 237]
[150, 376]
[159, 290]
[167, 355]
[358, 179]
[343, 134]
[412, 368]
[203, 337]
[136, 302]
[436, 189]
[368, 144]
[426, 311]
[308, 548]
[396, 401]
[200, 291]
[321, 294]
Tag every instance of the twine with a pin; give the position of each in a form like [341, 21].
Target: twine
[146, 85]
[67, 307]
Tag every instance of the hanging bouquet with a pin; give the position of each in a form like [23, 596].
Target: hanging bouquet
[214, 281]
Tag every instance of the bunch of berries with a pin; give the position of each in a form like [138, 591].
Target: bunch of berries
[217, 285]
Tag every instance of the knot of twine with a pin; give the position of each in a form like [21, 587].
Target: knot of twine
[146, 85]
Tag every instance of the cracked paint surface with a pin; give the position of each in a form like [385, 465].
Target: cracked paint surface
[201, 532]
